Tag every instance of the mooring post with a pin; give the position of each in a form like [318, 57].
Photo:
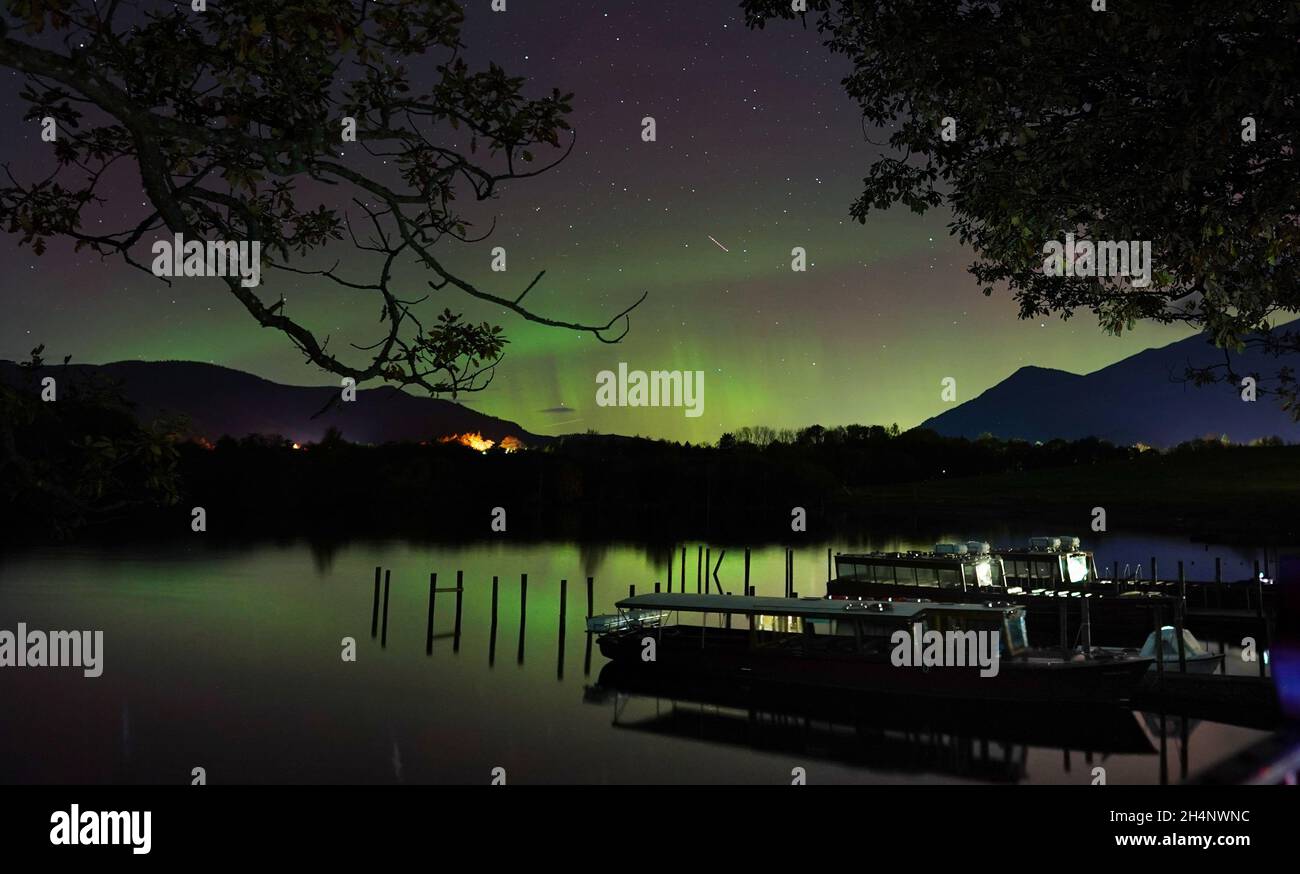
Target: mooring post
[523, 615]
[747, 591]
[1114, 574]
[492, 633]
[428, 635]
[1160, 657]
[460, 593]
[1154, 579]
[699, 568]
[828, 565]
[683, 570]
[708, 562]
[383, 640]
[523, 598]
[717, 565]
[1218, 579]
[670, 570]
[559, 658]
[656, 588]
[1179, 613]
[1263, 624]
[1085, 624]
[374, 611]
[631, 590]
[590, 582]
[1065, 635]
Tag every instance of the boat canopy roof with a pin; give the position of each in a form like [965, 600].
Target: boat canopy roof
[913, 559]
[822, 608]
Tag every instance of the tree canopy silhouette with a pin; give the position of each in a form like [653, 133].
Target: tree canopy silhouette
[1134, 123]
[234, 117]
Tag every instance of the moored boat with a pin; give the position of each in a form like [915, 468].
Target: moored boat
[915, 648]
[1049, 578]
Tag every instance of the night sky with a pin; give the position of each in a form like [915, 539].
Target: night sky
[757, 147]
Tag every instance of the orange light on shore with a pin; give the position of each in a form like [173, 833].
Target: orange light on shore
[476, 441]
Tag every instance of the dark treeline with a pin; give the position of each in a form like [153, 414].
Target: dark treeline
[591, 486]
[84, 463]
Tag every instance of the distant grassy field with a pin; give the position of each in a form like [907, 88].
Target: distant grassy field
[1239, 493]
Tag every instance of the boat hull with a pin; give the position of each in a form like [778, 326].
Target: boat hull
[1115, 621]
[726, 653]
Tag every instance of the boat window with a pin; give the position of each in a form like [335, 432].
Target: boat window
[925, 576]
[984, 573]
[1016, 634]
[792, 624]
[1077, 568]
[950, 578]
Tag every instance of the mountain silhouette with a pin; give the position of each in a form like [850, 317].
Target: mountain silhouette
[1140, 399]
[221, 401]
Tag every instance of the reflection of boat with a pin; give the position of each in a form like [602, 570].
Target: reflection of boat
[1048, 578]
[607, 622]
[961, 650]
[1198, 659]
[970, 739]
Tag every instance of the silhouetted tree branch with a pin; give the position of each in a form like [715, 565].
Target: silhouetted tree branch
[234, 119]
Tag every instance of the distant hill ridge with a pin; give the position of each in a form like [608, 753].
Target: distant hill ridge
[1136, 400]
[223, 401]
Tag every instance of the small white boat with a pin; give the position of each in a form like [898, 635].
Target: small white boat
[607, 622]
[1199, 659]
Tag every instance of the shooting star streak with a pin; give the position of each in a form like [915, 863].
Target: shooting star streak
[719, 245]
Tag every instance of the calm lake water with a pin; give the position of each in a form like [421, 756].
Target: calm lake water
[228, 658]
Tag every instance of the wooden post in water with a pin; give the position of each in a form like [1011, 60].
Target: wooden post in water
[1179, 612]
[717, 565]
[1160, 662]
[683, 570]
[492, 635]
[523, 615]
[699, 569]
[523, 598]
[460, 594]
[1065, 634]
[374, 611]
[590, 582]
[1085, 624]
[708, 562]
[656, 588]
[828, 566]
[631, 591]
[383, 640]
[1114, 574]
[670, 572]
[1263, 624]
[1154, 578]
[1218, 579]
[428, 634]
[747, 591]
[559, 659]
[793, 593]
